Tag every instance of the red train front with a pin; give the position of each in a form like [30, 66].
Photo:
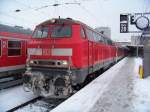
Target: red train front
[62, 53]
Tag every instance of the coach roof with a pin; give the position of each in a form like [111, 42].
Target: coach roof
[15, 29]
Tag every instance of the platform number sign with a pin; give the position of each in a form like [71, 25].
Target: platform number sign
[123, 23]
[123, 27]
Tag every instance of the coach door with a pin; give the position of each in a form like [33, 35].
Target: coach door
[3, 48]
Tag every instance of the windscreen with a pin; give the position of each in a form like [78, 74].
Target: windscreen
[41, 32]
[55, 31]
[61, 31]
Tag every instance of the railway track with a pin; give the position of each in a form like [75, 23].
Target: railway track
[38, 104]
[10, 81]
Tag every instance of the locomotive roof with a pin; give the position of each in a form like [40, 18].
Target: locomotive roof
[68, 21]
[61, 21]
[15, 29]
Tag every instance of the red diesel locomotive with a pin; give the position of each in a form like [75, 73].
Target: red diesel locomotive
[13, 45]
[62, 54]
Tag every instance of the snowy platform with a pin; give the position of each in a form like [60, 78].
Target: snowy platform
[116, 90]
[12, 97]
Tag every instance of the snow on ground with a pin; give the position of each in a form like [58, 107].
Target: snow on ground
[119, 95]
[12, 97]
[39, 106]
[141, 91]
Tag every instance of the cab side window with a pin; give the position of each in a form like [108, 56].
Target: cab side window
[89, 35]
[82, 33]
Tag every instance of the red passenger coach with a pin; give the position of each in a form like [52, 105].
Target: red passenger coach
[63, 53]
[13, 45]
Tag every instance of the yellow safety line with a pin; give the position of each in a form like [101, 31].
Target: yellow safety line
[141, 71]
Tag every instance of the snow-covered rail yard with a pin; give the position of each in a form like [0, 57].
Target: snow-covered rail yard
[119, 89]
[16, 99]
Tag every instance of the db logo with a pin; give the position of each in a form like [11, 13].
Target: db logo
[46, 52]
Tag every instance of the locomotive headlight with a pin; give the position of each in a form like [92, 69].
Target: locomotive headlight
[65, 63]
[31, 62]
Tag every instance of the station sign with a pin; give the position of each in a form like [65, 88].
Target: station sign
[123, 23]
[140, 20]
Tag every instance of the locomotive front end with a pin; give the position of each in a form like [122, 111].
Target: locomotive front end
[49, 63]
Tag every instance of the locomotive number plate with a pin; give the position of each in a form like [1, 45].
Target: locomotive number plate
[46, 52]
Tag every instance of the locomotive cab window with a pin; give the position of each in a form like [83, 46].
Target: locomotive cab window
[14, 48]
[89, 35]
[82, 33]
[61, 31]
[0, 48]
[41, 32]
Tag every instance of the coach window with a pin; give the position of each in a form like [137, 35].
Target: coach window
[0, 48]
[14, 48]
[82, 33]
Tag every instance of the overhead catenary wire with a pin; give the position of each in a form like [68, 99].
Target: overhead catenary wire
[88, 12]
[15, 17]
[29, 8]
[18, 18]
[55, 5]
[56, 12]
